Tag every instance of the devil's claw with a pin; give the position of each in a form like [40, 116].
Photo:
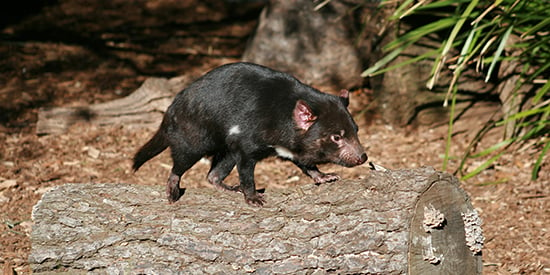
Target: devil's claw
[326, 178]
[255, 200]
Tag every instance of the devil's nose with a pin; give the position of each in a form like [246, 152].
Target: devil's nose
[363, 158]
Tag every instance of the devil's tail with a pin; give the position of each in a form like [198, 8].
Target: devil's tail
[153, 147]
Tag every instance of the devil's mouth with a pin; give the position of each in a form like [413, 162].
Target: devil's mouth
[350, 162]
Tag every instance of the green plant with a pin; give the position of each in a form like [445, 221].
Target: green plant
[482, 34]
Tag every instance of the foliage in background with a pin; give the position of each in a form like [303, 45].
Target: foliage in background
[479, 35]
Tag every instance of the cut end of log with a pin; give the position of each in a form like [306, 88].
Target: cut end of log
[439, 236]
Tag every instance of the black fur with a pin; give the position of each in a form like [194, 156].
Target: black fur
[242, 113]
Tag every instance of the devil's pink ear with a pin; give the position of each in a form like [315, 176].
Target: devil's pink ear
[344, 97]
[303, 116]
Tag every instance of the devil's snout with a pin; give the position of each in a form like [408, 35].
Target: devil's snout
[359, 159]
[363, 158]
[352, 155]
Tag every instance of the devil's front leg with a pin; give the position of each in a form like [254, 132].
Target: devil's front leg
[318, 176]
[245, 167]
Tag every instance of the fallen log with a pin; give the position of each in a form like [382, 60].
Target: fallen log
[142, 108]
[393, 222]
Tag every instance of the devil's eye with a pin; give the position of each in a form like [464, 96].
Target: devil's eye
[335, 138]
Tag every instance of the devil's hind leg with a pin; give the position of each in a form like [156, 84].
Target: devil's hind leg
[222, 164]
[183, 159]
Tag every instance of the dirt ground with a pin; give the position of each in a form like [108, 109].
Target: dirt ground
[72, 53]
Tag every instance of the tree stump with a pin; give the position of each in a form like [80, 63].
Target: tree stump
[314, 44]
[393, 222]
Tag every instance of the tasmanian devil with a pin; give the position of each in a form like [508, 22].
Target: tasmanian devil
[241, 113]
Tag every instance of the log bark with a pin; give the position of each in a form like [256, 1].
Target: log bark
[393, 222]
[142, 108]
